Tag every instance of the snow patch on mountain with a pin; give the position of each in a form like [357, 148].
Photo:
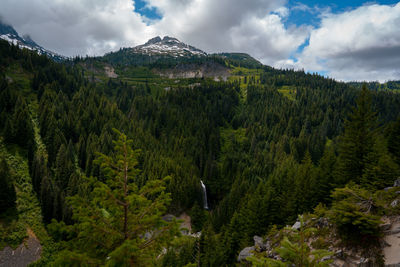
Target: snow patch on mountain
[8, 34]
[168, 46]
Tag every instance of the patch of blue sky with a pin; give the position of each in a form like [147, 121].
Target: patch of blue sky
[307, 12]
[149, 12]
[294, 54]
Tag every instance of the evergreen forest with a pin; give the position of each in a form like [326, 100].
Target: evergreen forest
[101, 168]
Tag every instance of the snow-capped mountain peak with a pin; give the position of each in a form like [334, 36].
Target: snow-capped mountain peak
[9, 34]
[168, 46]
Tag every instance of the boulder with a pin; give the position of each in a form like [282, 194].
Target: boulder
[246, 252]
[397, 183]
[260, 245]
[322, 223]
[394, 203]
[258, 241]
[296, 225]
[339, 254]
[385, 226]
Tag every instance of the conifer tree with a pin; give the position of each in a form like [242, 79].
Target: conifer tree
[118, 221]
[23, 129]
[394, 140]
[357, 140]
[7, 191]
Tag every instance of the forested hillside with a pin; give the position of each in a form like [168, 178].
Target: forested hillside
[268, 144]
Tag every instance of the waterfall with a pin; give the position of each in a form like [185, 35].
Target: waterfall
[205, 195]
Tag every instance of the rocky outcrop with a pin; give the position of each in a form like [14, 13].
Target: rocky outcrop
[259, 246]
[246, 252]
[109, 71]
[206, 70]
[328, 238]
[29, 251]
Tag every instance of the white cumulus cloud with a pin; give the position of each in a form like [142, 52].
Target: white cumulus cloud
[73, 27]
[358, 44]
[361, 44]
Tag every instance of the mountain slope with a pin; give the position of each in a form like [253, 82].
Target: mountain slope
[167, 46]
[165, 51]
[264, 144]
[9, 34]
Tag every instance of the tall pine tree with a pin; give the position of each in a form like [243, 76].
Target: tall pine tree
[357, 140]
[7, 191]
[118, 221]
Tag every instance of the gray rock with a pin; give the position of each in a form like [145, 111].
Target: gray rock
[258, 241]
[26, 253]
[296, 225]
[394, 232]
[260, 245]
[326, 258]
[364, 262]
[322, 223]
[385, 226]
[246, 252]
[384, 244]
[394, 203]
[388, 188]
[339, 254]
[397, 182]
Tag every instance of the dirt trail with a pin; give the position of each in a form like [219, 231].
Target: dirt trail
[392, 252]
[29, 251]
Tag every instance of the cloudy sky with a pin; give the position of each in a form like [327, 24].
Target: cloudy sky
[346, 40]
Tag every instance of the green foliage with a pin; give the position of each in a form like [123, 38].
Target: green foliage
[264, 157]
[182, 251]
[27, 207]
[394, 140]
[358, 140]
[381, 170]
[197, 217]
[7, 190]
[294, 250]
[355, 212]
[118, 220]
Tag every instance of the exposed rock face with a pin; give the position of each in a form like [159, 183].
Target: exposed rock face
[296, 225]
[394, 203]
[206, 70]
[397, 183]
[9, 34]
[246, 252]
[167, 46]
[27, 253]
[109, 71]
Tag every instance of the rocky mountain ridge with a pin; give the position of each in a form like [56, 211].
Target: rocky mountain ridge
[167, 46]
[9, 34]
